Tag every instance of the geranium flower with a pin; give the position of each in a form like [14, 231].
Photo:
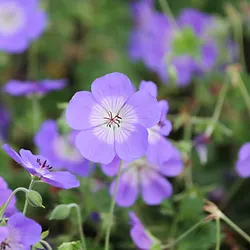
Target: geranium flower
[243, 162]
[19, 233]
[40, 167]
[176, 49]
[200, 143]
[113, 119]
[139, 234]
[5, 193]
[147, 178]
[27, 88]
[60, 149]
[21, 22]
[158, 145]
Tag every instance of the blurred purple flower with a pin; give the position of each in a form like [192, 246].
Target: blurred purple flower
[158, 145]
[19, 233]
[243, 162]
[145, 177]
[4, 123]
[200, 143]
[27, 88]
[60, 149]
[114, 119]
[5, 193]
[155, 38]
[40, 167]
[21, 22]
[139, 234]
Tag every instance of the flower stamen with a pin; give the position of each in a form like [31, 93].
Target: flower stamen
[113, 120]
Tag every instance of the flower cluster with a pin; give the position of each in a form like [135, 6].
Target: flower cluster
[21, 22]
[174, 48]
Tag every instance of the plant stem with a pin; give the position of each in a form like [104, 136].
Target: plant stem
[190, 230]
[79, 222]
[112, 208]
[218, 234]
[26, 201]
[20, 189]
[235, 227]
[244, 92]
[46, 244]
[216, 115]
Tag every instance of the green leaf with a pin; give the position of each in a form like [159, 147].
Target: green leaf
[167, 208]
[60, 212]
[75, 245]
[39, 246]
[156, 246]
[44, 234]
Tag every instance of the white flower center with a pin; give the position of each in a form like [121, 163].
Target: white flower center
[12, 18]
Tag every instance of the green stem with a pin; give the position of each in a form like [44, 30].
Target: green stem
[218, 234]
[190, 230]
[235, 227]
[20, 189]
[112, 208]
[36, 112]
[79, 222]
[46, 244]
[166, 9]
[244, 92]
[26, 201]
[216, 115]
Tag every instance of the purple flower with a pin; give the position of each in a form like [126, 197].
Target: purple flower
[27, 88]
[4, 123]
[20, 233]
[139, 234]
[21, 22]
[147, 178]
[170, 49]
[60, 149]
[243, 162]
[158, 146]
[5, 193]
[200, 143]
[40, 167]
[113, 119]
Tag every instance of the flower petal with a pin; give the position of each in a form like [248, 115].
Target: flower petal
[114, 84]
[128, 188]
[140, 237]
[112, 168]
[79, 110]
[12, 153]
[97, 144]
[149, 87]
[243, 168]
[131, 142]
[61, 179]
[3, 233]
[30, 231]
[155, 188]
[19, 88]
[244, 151]
[146, 108]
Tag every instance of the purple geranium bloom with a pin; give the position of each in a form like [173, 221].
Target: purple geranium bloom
[4, 123]
[243, 162]
[27, 88]
[180, 49]
[5, 193]
[20, 233]
[113, 119]
[40, 167]
[200, 143]
[145, 177]
[158, 145]
[60, 149]
[21, 22]
[139, 234]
